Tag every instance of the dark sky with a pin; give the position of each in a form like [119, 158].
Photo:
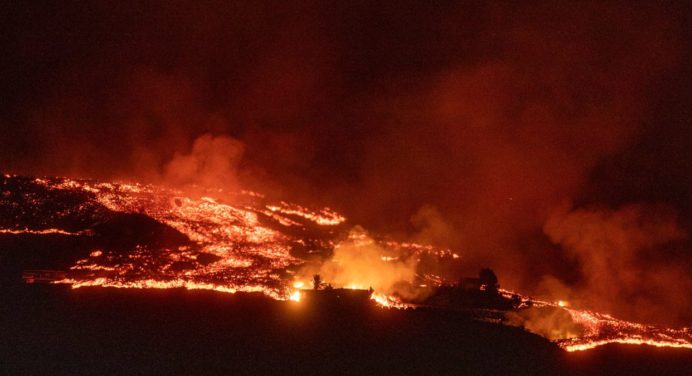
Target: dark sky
[494, 128]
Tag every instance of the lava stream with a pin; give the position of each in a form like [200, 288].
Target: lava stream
[249, 245]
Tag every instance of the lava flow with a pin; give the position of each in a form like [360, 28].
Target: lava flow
[599, 329]
[231, 249]
[246, 244]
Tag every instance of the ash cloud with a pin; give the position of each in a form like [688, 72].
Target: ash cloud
[494, 115]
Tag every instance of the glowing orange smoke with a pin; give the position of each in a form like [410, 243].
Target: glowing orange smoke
[602, 329]
[250, 256]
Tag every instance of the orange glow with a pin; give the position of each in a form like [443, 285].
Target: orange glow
[601, 329]
[627, 341]
[389, 301]
[47, 231]
[245, 254]
[154, 284]
[325, 217]
[250, 256]
[295, 296]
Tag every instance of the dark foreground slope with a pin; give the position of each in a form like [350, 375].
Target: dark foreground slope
[56, 331]
[53, 330]
[617, 359]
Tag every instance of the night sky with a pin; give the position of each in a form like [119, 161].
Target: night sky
[551, 142]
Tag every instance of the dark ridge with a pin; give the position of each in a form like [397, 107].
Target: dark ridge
[124, 231]
[97, 330]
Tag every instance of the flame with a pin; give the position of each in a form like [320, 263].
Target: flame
[601, 329]
[249, 256]
[388, 301]
[295, 296]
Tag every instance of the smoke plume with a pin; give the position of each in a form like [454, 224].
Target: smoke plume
[551, 323]
[212, 162]
[492, 114]
[358, 262]
[630, 255]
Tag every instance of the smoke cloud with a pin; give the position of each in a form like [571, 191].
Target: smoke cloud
[212, 162]
[465, 125]
[358, 262]
[632, 255]
[551, 323]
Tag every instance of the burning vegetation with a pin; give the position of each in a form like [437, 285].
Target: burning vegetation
[147, 236]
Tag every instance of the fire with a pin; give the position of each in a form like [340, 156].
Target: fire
[627, 341]
[246, 255]
[250, 255]
[601, 329]
[295, 296]
[158, 284]
[389, 301]
[48, 231]
[325, 217]
[239, 246]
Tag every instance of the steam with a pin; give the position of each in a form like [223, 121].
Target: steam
[631, 255]
[497, 144]
[431, 227]
[462, 125]
[551, 323]
[212, 162]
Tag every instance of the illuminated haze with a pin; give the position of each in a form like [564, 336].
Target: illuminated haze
[549, 142]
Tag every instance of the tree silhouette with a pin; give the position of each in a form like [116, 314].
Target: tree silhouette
[316, 281]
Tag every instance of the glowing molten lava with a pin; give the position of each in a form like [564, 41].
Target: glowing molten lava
[244, 254]
[389, 301]
[601, 329]
[245, 244]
